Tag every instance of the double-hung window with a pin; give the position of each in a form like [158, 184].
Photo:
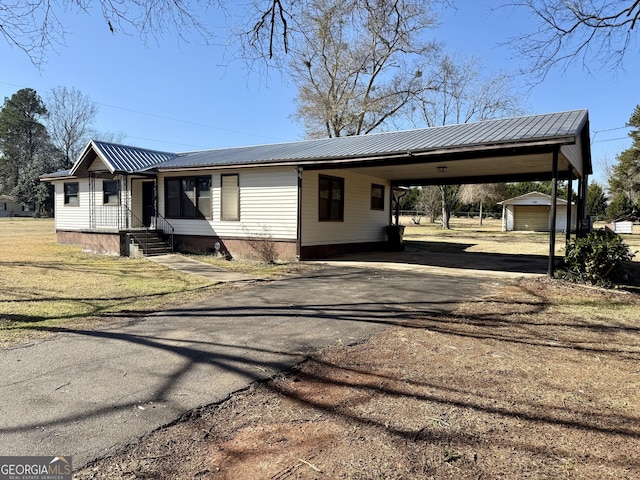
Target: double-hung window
[110, 192]
[188, 197]
[71, 191]
[377, 197]
[331, 199]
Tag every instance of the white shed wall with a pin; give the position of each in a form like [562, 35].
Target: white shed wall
[361, 224]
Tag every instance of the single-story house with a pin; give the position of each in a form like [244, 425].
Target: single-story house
[531, 213]
[309, 198]
[10, 208]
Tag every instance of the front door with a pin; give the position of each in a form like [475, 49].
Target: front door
[148, 203]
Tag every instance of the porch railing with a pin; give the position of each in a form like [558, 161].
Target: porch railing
[166, 228]
[141, 232]
[122, 218]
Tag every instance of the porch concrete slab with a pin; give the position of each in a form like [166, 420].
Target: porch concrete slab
[194, 267]
[87, 393]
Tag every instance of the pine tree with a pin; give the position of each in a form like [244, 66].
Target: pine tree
[26, 152]
[625, 176]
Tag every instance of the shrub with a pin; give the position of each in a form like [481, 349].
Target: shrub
[263, 245]
[597, 258]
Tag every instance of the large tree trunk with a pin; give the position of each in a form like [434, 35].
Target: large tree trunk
[449, 196]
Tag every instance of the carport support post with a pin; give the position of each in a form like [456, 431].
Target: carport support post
[552, 214]
[569, 200]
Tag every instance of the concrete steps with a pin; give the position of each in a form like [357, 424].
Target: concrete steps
[150, 243]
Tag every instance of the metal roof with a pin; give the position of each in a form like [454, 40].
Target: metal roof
[119, 158]
[533, 195]
[562, 126]
[123, 158]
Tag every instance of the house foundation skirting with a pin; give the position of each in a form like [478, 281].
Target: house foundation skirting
[234, 247]
[115, 243]
[105, 243]
[325, 251]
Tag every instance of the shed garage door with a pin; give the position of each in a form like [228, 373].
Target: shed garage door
[532, 218]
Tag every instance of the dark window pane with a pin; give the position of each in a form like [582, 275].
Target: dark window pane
[110, 192]
[377, 197]
[71, 194]
[172, 198]
[331, 198]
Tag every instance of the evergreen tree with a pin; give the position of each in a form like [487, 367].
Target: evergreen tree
[620, 207]
[596, 200]
[625, 175]
[26, 151]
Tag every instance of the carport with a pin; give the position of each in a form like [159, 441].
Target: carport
[553, 147]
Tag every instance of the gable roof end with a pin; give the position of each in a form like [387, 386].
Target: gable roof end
[119, 158]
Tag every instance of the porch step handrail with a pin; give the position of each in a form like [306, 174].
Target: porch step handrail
[137, 227]
[166, 228]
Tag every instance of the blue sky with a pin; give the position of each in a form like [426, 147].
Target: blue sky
[177, 96]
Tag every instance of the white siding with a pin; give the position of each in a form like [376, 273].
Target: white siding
[98, 166]
[68, 217]
[268, 204]
[136, 197]
[361, 223]
[574, 155]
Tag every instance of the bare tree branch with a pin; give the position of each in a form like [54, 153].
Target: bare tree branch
[70, 120]
[597, 33]
[359, 62]
[36, 26]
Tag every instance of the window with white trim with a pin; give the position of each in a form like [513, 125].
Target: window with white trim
[230, 197]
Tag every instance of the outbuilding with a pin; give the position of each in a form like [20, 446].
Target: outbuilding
[531, 212]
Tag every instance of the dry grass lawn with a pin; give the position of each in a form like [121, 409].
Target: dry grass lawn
[539, 380]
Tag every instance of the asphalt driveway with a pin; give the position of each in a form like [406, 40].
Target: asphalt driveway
[88, 393]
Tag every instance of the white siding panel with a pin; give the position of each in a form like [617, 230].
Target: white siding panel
[574, 155]
[135, 190]
[361, 223]
[98, 166]
[268, 204]
[68, 217]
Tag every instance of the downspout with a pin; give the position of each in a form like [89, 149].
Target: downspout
[299, 216]
[552, 214]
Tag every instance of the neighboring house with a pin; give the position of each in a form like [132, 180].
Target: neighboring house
[10, 208]
[531, 213]
[309, 198]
